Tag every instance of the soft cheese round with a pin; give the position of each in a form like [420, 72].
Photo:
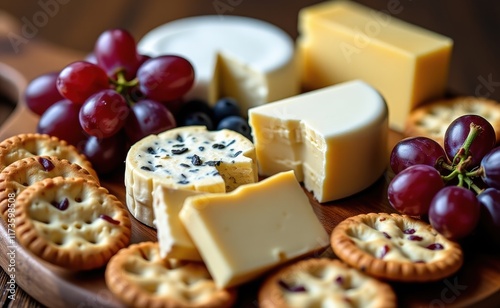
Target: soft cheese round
[334, 138]
[255, 56]
[188, 158]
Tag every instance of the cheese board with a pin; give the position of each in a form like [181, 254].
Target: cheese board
[477, 283]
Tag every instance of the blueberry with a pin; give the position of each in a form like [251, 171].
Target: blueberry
[226, 107]
[237, 124]
[198, 118]
[193, 106]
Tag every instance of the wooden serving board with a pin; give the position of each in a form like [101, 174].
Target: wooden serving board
[477, 283]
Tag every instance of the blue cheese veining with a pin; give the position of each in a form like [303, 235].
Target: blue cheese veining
[186, 158]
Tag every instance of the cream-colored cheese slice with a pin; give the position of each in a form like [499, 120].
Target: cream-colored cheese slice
[188, 158]
[242, 234]
[248, 59]
[173, 240]
[335, 138]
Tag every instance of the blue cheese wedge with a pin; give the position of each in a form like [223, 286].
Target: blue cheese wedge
[186, 158]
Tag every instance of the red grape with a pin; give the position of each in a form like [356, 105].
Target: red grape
[416, 150]
[90, 58]
[491, 168]
[81, 79]
[104, 113]
[411, 191]
[107, 154]
[143, 58]
[490, 213]
[41, 93]
[457, 133]
[116, 50]
[148, 117]
[165, 78]
[454, 212]
[61, 121]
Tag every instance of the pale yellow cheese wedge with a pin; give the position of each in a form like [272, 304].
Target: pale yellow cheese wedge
[243, 233]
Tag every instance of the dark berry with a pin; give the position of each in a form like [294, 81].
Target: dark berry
[226, 107]
[198, 118]
[237, 124]
[193, 106]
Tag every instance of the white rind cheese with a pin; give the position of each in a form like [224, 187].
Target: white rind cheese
[188, 158]
[244, 58]
[335, 138]
[244, 233]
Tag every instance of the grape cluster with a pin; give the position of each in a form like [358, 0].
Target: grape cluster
[113, 97]
[456, 186]
[116, 96]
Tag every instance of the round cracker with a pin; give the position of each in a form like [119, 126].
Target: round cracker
[432, 119]
[395, 247]
[71, 222]
[27, 145]
[27, 171]
[324, 282]
[139, 277]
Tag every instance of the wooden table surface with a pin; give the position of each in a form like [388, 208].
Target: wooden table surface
[475, 65]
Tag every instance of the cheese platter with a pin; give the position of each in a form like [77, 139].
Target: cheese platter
[476, 283]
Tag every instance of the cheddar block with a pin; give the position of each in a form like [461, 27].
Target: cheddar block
[186, 158]
[248, 59]
[173, 240]
[335, 138]
[343, 40]
[242, 234]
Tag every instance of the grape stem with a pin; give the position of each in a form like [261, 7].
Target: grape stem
[460, 162]
[463, 153]
[122, 84]
[475, 173]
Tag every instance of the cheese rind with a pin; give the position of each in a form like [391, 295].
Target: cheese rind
[335, 138]
[244, 233]
[343, 40]
[244, 58]
[189, 158]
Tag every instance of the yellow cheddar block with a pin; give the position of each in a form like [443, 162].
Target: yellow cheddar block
[343, 40]
[242, 234]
